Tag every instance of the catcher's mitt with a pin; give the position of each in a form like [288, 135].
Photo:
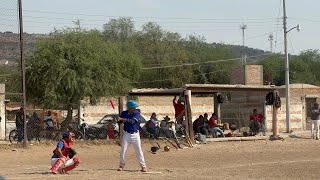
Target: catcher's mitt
[71, 152]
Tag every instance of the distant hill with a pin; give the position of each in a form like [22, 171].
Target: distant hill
[237, 50]
[9, 47]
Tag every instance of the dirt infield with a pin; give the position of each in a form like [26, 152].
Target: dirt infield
[293, 158]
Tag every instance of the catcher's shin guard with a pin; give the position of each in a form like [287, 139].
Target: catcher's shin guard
[69, 168]
[57, 165]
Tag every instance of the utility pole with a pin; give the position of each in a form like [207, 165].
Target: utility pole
[271, 42]
[23, 73]
[286, 68]
[243, 27]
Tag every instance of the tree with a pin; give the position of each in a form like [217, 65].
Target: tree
[274, 65]
[73, 64]
[120, 29]
[305, 68]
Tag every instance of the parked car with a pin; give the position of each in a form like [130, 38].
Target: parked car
[101, 125]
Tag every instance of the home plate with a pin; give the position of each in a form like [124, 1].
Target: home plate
[152, 172]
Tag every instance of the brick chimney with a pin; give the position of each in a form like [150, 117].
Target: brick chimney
[247, 75]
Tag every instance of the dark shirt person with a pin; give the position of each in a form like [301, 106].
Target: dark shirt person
[20, 124]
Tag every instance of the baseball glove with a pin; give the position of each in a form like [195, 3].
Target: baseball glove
[71, 152]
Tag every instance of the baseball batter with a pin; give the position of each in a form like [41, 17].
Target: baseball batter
[59, 161]
[131, 124]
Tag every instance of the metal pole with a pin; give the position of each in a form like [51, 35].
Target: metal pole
[243, 27]
[286, 67]
[23, 70]
[271, 43]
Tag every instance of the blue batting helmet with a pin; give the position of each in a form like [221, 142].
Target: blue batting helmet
[132, 104]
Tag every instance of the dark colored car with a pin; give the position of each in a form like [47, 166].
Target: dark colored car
[100, 127]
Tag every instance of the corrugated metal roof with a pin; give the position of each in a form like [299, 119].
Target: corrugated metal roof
[299, 86]
[155, 91]
[230, 86]
[201, 89]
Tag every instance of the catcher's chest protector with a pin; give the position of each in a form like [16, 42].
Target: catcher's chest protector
[65, 147]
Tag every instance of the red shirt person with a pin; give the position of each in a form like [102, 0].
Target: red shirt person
[257, 116]
[179, 110]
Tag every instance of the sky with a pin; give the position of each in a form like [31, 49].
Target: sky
[216, 20]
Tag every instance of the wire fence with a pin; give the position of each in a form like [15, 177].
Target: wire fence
[47, 125]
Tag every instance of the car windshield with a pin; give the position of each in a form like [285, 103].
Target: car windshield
[142, 120]
[111, 117]
[107, 118]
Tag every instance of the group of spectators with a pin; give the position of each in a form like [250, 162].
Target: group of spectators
[206, 126]
[156, 127]
[33, 123]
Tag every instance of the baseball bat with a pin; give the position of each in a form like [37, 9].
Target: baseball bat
[174, 145]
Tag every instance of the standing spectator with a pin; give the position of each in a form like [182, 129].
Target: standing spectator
[110, 130]
[212, 126]
[179, 110]
[48, 119]
[34, 126]
[19, 124]
[315, 113]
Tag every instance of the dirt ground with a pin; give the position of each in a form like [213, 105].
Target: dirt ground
[293, 158]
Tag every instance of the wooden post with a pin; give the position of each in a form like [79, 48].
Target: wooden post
[217, 107]
[79, 112]
[275, 134]
[186, 98]
[120, 108]
[188, 115]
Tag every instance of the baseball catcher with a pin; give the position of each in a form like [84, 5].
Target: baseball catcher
[63, 159]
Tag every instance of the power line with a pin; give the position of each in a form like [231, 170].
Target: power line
[162, 80]
[304, 19]
[253, 37]
[278, 17]
[192, 64]
[144, 17]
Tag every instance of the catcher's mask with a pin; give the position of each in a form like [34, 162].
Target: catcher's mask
[69, 136]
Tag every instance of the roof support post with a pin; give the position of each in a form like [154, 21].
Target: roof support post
[188, 115]
[275, 129]
[217, 107]
[120, 108]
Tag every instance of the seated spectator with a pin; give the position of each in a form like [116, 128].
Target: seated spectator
[206, 121]
[213, 128]
[164, 126]
[152, 126]
[256, 123]
[198, 126]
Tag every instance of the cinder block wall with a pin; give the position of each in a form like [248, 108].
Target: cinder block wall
[161, 105]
